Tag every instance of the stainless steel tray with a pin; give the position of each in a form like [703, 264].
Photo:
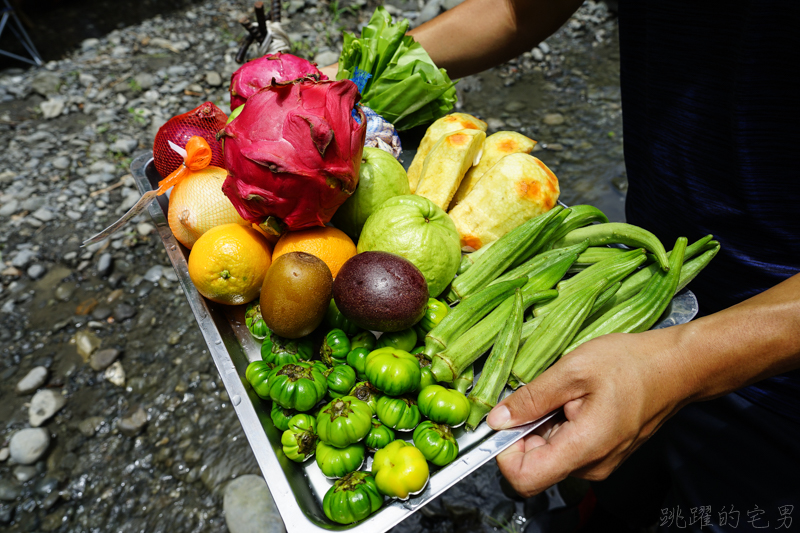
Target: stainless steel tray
[298, 489]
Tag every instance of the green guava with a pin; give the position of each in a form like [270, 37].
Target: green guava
[419, 230]
[381, 177]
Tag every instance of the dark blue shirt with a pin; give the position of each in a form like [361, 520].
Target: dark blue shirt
[711, 115]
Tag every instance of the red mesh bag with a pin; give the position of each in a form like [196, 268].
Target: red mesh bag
[204, 121]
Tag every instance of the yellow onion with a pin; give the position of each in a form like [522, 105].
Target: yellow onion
[198, 204]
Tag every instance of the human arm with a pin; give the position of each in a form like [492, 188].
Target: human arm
[479, 34]
[617, 390]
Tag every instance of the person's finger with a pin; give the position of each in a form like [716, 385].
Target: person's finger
[547, 392]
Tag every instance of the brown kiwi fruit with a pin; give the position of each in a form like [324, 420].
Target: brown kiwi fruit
[295, 295]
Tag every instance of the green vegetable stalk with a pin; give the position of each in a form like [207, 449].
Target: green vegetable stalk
[497, 367]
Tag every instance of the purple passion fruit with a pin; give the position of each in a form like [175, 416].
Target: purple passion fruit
[380, 291]
[295, 294]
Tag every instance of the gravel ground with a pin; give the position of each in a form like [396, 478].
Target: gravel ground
[113, 416]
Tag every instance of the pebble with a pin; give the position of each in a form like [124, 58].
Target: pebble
[537, 54]
[44, 404]
[154, 273]
[36, 271]
[86, 343]
[23, 258]
[553, 119]
[9, 208]
[28, 445]
[213, 78]
[124, 146]
[144, 228]
[32, 380]
[115, 374]
[104, 264]
[24, 473]
[249, 507]
[9, 491]
[61, 163]
[89, 426]
[4, 454]
[102, 359]
[133, 422]
[43, 214]
[123, 312]
[328, 57]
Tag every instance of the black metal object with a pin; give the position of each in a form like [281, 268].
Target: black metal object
[257, 31]
[9, 19]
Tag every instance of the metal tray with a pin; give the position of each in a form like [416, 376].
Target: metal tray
[298, 489]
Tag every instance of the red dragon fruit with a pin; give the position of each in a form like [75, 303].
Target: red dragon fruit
[272, 68]
[294, 153]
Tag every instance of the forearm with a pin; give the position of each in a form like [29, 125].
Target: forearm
[755, 339]
[479, 34]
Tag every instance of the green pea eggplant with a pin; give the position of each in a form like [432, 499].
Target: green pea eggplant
[344, 421]
[443, 406]
[402, 340]
[255, 322]
[352, 498]
[257, 374]
[280, 416]
[336, 320]
[341, 379]
[338, 462]
[297, 386]
[393, 371]
[398, 413]
[357, 358]
[366, 392]
[379, 436]
[335, 348]
[300, 440]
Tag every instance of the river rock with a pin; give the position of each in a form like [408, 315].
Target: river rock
[86, 343]
[553, 119]
[115, 374]
[9, 491]
[46, 83]
[32, 380]
[28, 445]
[213, 78]
[133, 422]
[24, 473]
[52, 108]
[249, 507]
[124, 312]
[102, 359]
[4, 454]
[44, 405]
[89, 426]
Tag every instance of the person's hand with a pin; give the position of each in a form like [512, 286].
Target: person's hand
[616, 391]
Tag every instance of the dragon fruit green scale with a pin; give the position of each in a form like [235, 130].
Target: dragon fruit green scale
[294, 152]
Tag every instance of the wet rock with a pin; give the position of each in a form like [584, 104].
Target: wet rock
[537, 54]
[123, 312]
[36, 271]
[52, 108]
[43, 214]
[144, 80]
[515, 106]
[4, 454]
[249, 507]
[46, 485]
[53, 521]
[9, 208]
[86, 342]
[24, 473]
[124, 146]
[115, 374]
[61, 163]
[32, 380]
[144, 228]
[28, 445]
[553, 119]
[154, 273]
[102, 359]
[495, 124]
[104, 264]
[133, 422]
[9, 491]
[101, 313]
[6, 514]
[89, 426]
[431, 9]
[23, 258]
[44, 405]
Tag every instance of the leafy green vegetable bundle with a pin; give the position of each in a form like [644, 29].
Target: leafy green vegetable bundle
[405, 87]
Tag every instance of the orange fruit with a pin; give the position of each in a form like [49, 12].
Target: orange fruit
[228, 263]
[331, 245]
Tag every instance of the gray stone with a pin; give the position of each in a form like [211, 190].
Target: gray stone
[9, 208]
[52, 108]
[495, 123]
[23, 258]
[515, 106]
[145, 228]
[86, 342]
[61, 162]
[9, 491]
[33, 203]
[553, 119]
[86, 79]
[537, 54]
[46, 83]
[44, 405]
[102, 359]
[89, 44]
[36, 271]
[24, 473]
[4, 454]
[544, 47]
[124, 146]
[124, 312]
[89, 426]
[249, 507]
[213, 78]
[328, 57]
[104, 264]
[154, 273]
[115, 374]
[145, 80]
[43, 214]
[28, 445]
[133, 422]
[32, 380]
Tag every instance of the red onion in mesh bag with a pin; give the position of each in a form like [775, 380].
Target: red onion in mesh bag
[294, 153]
[204, 121]
[272, 68]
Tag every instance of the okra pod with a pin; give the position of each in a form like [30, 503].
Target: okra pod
[634, 283]
[542, 239]
[542, 267]
[613, 269]
[499, 257]
[467, 260]
[640, 312]
[595, 254]
[466, 314]
[555, 332]
[579, 216]
[464, 380]
[497, 368]
[617, 233]
[449, 363]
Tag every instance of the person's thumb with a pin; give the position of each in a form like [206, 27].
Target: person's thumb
[544, 394]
